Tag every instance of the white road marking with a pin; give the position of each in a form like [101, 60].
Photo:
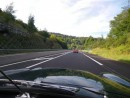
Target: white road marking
[93, 59]
[24, 61]
[47, 60]
[46, 57]
[41, 58]
[15, 63]
[106, 67]
[52, 55]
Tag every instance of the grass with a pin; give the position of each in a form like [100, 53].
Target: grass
[120, 53]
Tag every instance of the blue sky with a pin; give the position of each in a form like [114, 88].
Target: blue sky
[71, 17]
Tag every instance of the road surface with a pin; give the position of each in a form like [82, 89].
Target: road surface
[65, 59]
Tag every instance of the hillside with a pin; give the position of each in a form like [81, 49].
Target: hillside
[15, 34]
[72, 41]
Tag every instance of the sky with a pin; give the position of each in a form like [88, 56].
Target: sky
[80, 18]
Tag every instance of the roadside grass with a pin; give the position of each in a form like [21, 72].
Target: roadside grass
[120, 54]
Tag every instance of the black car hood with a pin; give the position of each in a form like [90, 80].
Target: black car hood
[108, 83]
[55, 76]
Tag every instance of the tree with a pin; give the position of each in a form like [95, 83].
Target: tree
[31, 26]
[89, 42]
[0, 10]
[120, 27]
[7, 15]
[10, 8]
[121, 24]
[53, 38]
[44, 33]
[62, 43]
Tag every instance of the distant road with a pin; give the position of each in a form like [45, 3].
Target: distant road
[65, 59]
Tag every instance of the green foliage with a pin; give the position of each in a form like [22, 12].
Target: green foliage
[121, 53]
[6, 17]
[120, 29]
[121, 24]
[53, 38]
[8, 13]
[44, 33]
[62, 42]
[71, 42]
[10, 9]
[119, 34]
[31, 26]
[117, 44]
[32, 41]
[21, 24]
[89, 42]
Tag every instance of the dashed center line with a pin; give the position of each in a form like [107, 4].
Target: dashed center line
[42, 58]
[15, 63]
[46, 60]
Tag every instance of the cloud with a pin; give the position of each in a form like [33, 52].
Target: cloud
[95, 15]
[71, 17]
[70, 3]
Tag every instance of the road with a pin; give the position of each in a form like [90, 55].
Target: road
[64, 59]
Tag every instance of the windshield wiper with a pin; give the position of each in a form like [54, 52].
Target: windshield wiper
[69, 89]
[22, 93]
[20, 90]
[30, 85]
[53, 87]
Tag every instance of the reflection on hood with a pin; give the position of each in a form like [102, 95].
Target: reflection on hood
[72, 80]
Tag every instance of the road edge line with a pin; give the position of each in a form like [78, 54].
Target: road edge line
[92, 59]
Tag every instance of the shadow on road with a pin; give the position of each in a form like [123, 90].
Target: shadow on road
[126, 61]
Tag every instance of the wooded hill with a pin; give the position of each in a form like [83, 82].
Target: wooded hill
[15, 34]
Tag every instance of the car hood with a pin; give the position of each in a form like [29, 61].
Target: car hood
[110, 84]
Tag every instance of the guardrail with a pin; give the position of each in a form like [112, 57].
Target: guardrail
[14, 51]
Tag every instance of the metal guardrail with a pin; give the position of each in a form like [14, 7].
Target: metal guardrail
[14, 51]
[28, 49]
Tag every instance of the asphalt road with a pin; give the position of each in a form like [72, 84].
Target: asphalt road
[65, 59]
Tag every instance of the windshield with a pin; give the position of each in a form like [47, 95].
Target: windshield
[91, 36]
